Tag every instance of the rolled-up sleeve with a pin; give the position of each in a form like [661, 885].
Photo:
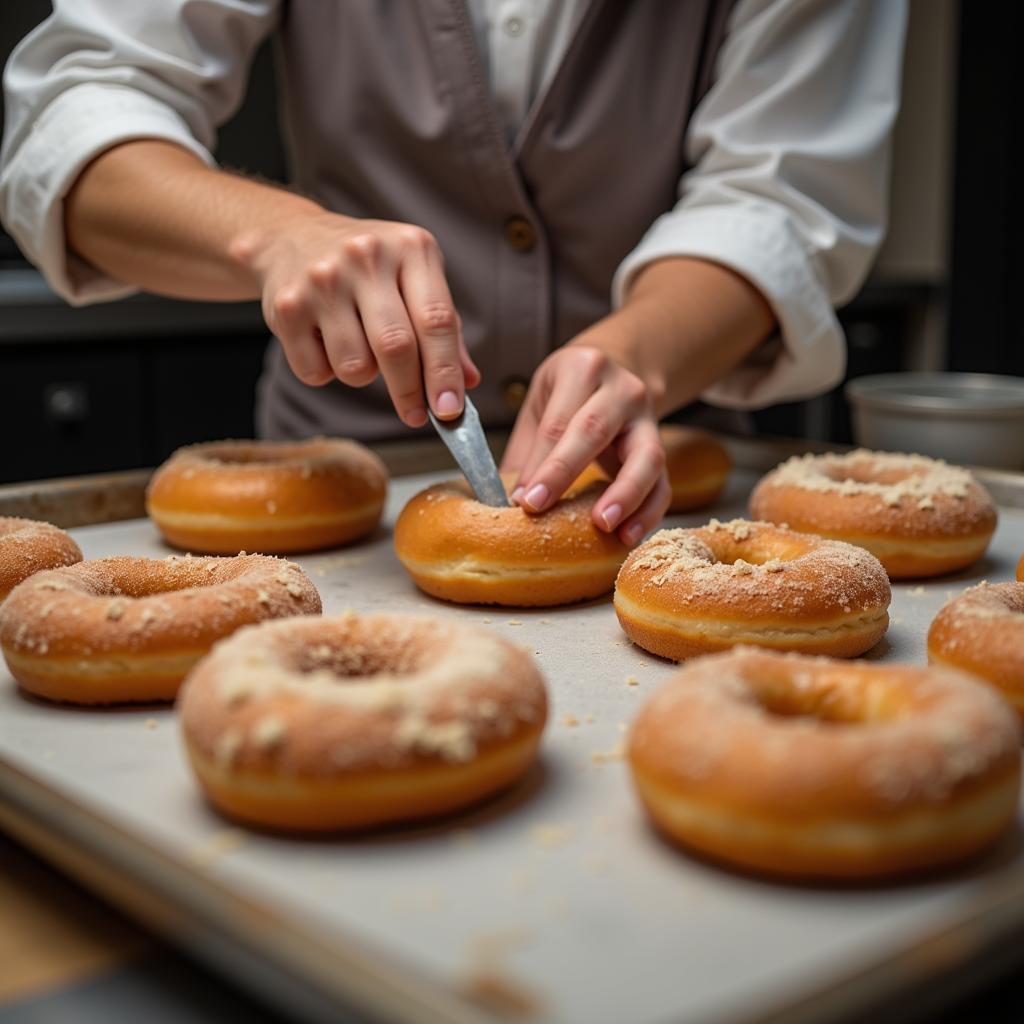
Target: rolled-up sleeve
[100, 72]
[789, 154]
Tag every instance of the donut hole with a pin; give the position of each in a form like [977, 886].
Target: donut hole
[755, 550]
[869, 473]
[354, 657]
[829, 708]
[831, 701]
[256, 454]
[152, 578]
[141, 578]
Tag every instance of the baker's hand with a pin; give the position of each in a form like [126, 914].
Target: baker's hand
[583, 406]
[352, 298]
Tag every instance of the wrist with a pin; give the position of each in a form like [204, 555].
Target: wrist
[617, 337]
[251, 248]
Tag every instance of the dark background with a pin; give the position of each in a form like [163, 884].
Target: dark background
[121, 385]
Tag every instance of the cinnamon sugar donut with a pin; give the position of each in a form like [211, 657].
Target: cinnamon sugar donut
[982, 632]
[697, 465]
[689, 592]
[122, 630]
[27, 547]
[352, 722]
[460, 550]
[813, 768]
[267, 496]
[918, 516]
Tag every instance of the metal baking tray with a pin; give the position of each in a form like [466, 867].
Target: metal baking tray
[556, 902]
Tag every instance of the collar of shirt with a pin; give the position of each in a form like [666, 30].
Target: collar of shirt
[521, 44]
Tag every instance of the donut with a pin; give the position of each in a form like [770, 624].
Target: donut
[919, 516]
[982, 632]
[359, 721]
[690, 592]
[697, 464]
[1020, 569]
[458, 549]
[805, 767]
[28, 547]
[267, 496]
[126, 630]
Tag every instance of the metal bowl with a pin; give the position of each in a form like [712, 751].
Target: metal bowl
[969, 418]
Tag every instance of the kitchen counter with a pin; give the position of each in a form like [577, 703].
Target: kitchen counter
[120, 955]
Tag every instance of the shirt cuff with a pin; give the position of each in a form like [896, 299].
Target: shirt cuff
[808, 356]
[70, 132]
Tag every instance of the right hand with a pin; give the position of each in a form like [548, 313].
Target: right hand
[350, 298]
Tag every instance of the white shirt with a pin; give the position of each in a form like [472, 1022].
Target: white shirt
[789, 147]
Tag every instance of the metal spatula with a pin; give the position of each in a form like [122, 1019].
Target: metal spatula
[464, 438]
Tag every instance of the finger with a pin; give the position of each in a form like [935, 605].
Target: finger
[518, 448]
[590, 431]
[347, 347]
[470, 372]
[648, 515]
[643, 467]
[569, 392]
[438, 329]
[290, 318]
[392, 341]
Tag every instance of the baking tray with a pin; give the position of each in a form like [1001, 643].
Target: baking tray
[555, 902]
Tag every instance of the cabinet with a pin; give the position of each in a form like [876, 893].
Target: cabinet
[84, 407]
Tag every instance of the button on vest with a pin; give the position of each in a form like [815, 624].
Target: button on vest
[520, 234]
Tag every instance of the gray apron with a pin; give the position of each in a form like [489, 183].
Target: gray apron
[388, 114]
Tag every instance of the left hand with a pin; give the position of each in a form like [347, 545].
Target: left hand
[582, 406]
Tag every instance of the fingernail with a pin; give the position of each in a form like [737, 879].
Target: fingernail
[416, 417]
[632, 534]
[517, 494]
[612, 515]
[537, 496]
[448, 404]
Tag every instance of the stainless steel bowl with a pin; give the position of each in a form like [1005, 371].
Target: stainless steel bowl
[969, 418]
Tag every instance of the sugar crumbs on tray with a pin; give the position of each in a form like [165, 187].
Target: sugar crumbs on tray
[617, 753]
[220, 844]
[550, 836]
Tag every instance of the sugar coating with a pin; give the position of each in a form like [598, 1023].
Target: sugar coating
[918, 478]
[317, 457]
[686, 565]
[28, 547]
[376, 689]
[134, 605]
[982, 632]
[904, 735]
[1000, 602]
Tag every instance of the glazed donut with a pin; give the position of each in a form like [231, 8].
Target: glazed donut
[460, 550]
[125, 630]
[357, 721]
[697, 464]
[28, 547]
[267, 496]
[814, 768]
[1020, 569]
[982, 632]
[918, 516]
[689, 592]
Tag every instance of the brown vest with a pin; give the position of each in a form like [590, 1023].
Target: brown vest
[388, 114]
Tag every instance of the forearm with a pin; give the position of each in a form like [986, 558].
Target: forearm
[685, 324]
[151, 214]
